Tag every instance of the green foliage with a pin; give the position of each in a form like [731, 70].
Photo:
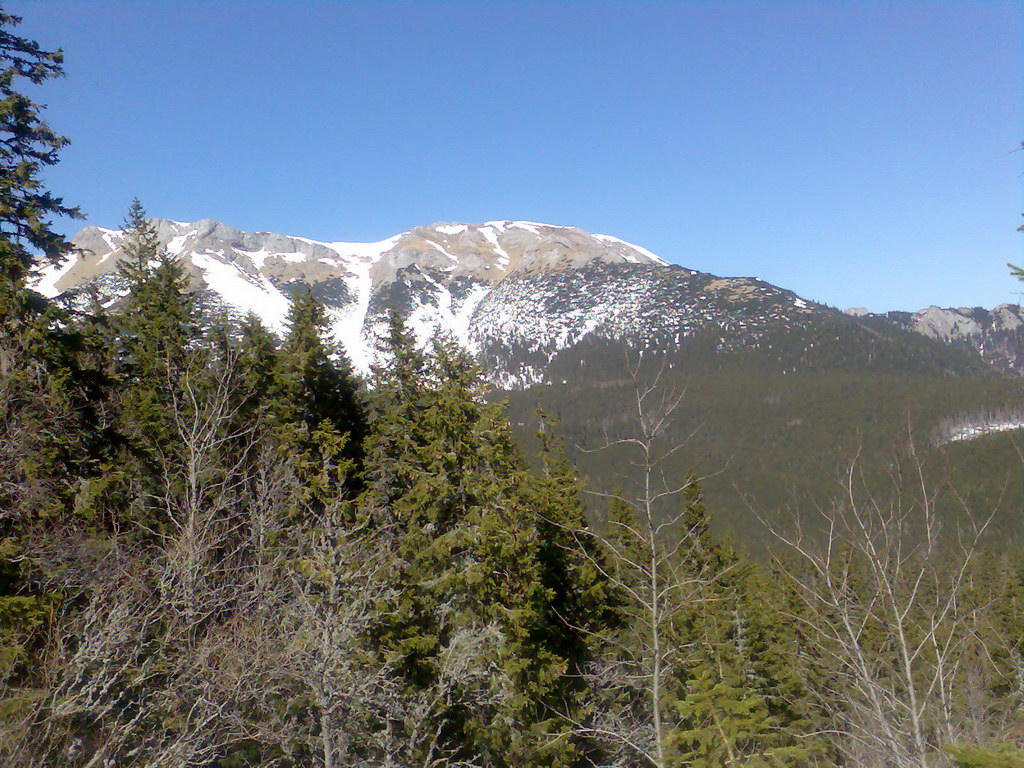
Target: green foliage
[480, 546]
[37, 386]
[29, 146]
[1000, 756]
[159, 320]
[312, 396]
[44, 425]
[467, 591]
[725, 723]
[213, 553]
[767, 437]
[742, 697]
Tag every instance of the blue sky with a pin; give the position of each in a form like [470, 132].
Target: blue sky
[861, 154]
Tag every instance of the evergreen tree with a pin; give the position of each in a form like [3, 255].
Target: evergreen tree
[258, 361]
[40, 425]
[739, 693]
[1000, 756]
[159, 322]
[319, 410]
[161, 361]
[29, 145]
[31, 394]
[451, 495]
[580, 604]
[740, 697]
[141, 248]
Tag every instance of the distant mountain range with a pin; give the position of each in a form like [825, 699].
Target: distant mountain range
[515, 293]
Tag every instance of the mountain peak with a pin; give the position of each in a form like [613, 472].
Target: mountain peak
[504, 283]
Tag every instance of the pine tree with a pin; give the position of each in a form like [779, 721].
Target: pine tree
[161, 359]
[737, 704]
[580, 605]
[453, 499]
[740, 697]
[31, 395]
[696, 528]
[321, 417]
[1000, 756]
[141, 248]
[40, 426]
[725, 723]
[29, 145]
[258, 360]
[159, 322]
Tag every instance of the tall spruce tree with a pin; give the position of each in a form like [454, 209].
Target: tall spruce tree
[39, 423]
[159, 322]
[31, 393]
[319, 410]
[581, 601]
[469, 628]
[738, 702]
[161, 358]
[28, 146]
[258, 361]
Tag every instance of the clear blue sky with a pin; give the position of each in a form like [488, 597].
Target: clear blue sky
[857, 153]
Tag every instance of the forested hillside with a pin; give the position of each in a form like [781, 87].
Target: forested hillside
[775, 428]
[218, 548]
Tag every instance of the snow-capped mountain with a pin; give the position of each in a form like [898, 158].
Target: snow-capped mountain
[514, 293]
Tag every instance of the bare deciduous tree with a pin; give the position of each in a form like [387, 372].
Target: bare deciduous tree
[642, 557]
[893, 640]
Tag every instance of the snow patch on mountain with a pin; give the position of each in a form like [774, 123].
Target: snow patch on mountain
[644, 251]
[47, 277]
[244, 293]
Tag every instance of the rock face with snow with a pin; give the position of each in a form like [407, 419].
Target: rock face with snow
[997, 334]
[438, 276]
[514, 293]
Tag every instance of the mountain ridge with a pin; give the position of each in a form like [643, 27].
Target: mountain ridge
[996, 334]
[482, 283]
[513, 293]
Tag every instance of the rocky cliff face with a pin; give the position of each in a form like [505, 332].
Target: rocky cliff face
[997, 334]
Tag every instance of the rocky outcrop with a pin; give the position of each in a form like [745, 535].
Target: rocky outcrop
[997, 334]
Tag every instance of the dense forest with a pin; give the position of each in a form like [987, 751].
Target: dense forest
[769, 437]
[220, 548]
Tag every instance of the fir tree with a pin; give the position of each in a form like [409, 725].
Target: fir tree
[739, 700]
[160, 364]
[40, 426]
[1005, 755]
[31, 393]
[258, 360]
[580, 604]
[737, 704]
[450, 493]
[319, 410]
[29, 145]
[159, 322]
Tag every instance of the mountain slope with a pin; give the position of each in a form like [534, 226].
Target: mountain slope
[516, 294]
[781, 391]
[495, 287]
